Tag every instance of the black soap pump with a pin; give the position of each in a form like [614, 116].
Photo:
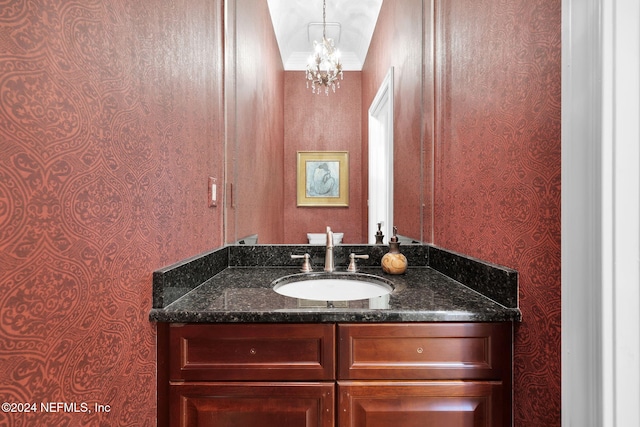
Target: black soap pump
[379, 235]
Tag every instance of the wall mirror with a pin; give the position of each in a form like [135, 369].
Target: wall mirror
[271, 116]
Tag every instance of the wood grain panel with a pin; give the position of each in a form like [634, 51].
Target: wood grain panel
[253, 352]
[424, 351]
[418, 404]
[253, 405]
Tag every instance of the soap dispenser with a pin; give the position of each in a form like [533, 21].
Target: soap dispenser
[393, 262]
[379, 235]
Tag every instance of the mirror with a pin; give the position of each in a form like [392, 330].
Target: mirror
[271, 115]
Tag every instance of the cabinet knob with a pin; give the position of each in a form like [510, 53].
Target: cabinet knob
[253, 351]
[420, 350]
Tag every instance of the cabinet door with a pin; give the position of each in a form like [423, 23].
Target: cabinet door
[420, 404]
[252, 405]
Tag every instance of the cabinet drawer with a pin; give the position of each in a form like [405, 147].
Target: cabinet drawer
[251, 404]
[252, 352]
[425, 351]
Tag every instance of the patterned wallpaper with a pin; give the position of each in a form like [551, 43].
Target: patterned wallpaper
[497, 169]
[110, 124]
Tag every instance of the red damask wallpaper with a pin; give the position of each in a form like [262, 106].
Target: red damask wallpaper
[497, 168]
[110, 124]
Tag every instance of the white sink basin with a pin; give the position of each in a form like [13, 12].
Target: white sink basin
[332, 286]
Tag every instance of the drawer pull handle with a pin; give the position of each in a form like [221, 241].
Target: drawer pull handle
[420, 350]
[253, 351]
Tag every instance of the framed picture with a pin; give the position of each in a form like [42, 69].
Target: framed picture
[323, 178]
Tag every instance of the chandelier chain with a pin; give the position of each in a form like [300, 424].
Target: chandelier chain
[324, 19]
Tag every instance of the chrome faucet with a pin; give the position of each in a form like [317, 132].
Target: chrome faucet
[329, 265]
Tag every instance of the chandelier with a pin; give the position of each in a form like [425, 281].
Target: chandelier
[324, 66]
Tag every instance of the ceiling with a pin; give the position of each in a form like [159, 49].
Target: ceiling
[297, 23]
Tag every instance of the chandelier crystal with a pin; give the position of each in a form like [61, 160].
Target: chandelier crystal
[324, 66]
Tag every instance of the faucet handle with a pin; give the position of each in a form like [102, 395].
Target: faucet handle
[306, 264]
[352, 262]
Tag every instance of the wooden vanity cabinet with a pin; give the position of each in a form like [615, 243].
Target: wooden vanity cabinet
[345, 375]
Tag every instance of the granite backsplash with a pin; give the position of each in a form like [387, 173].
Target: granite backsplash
[493, 281]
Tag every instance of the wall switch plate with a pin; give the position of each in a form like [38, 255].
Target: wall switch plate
[213, 192]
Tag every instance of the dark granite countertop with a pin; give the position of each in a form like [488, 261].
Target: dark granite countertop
[236, 286]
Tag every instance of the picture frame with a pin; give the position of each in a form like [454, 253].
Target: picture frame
[323, 178]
